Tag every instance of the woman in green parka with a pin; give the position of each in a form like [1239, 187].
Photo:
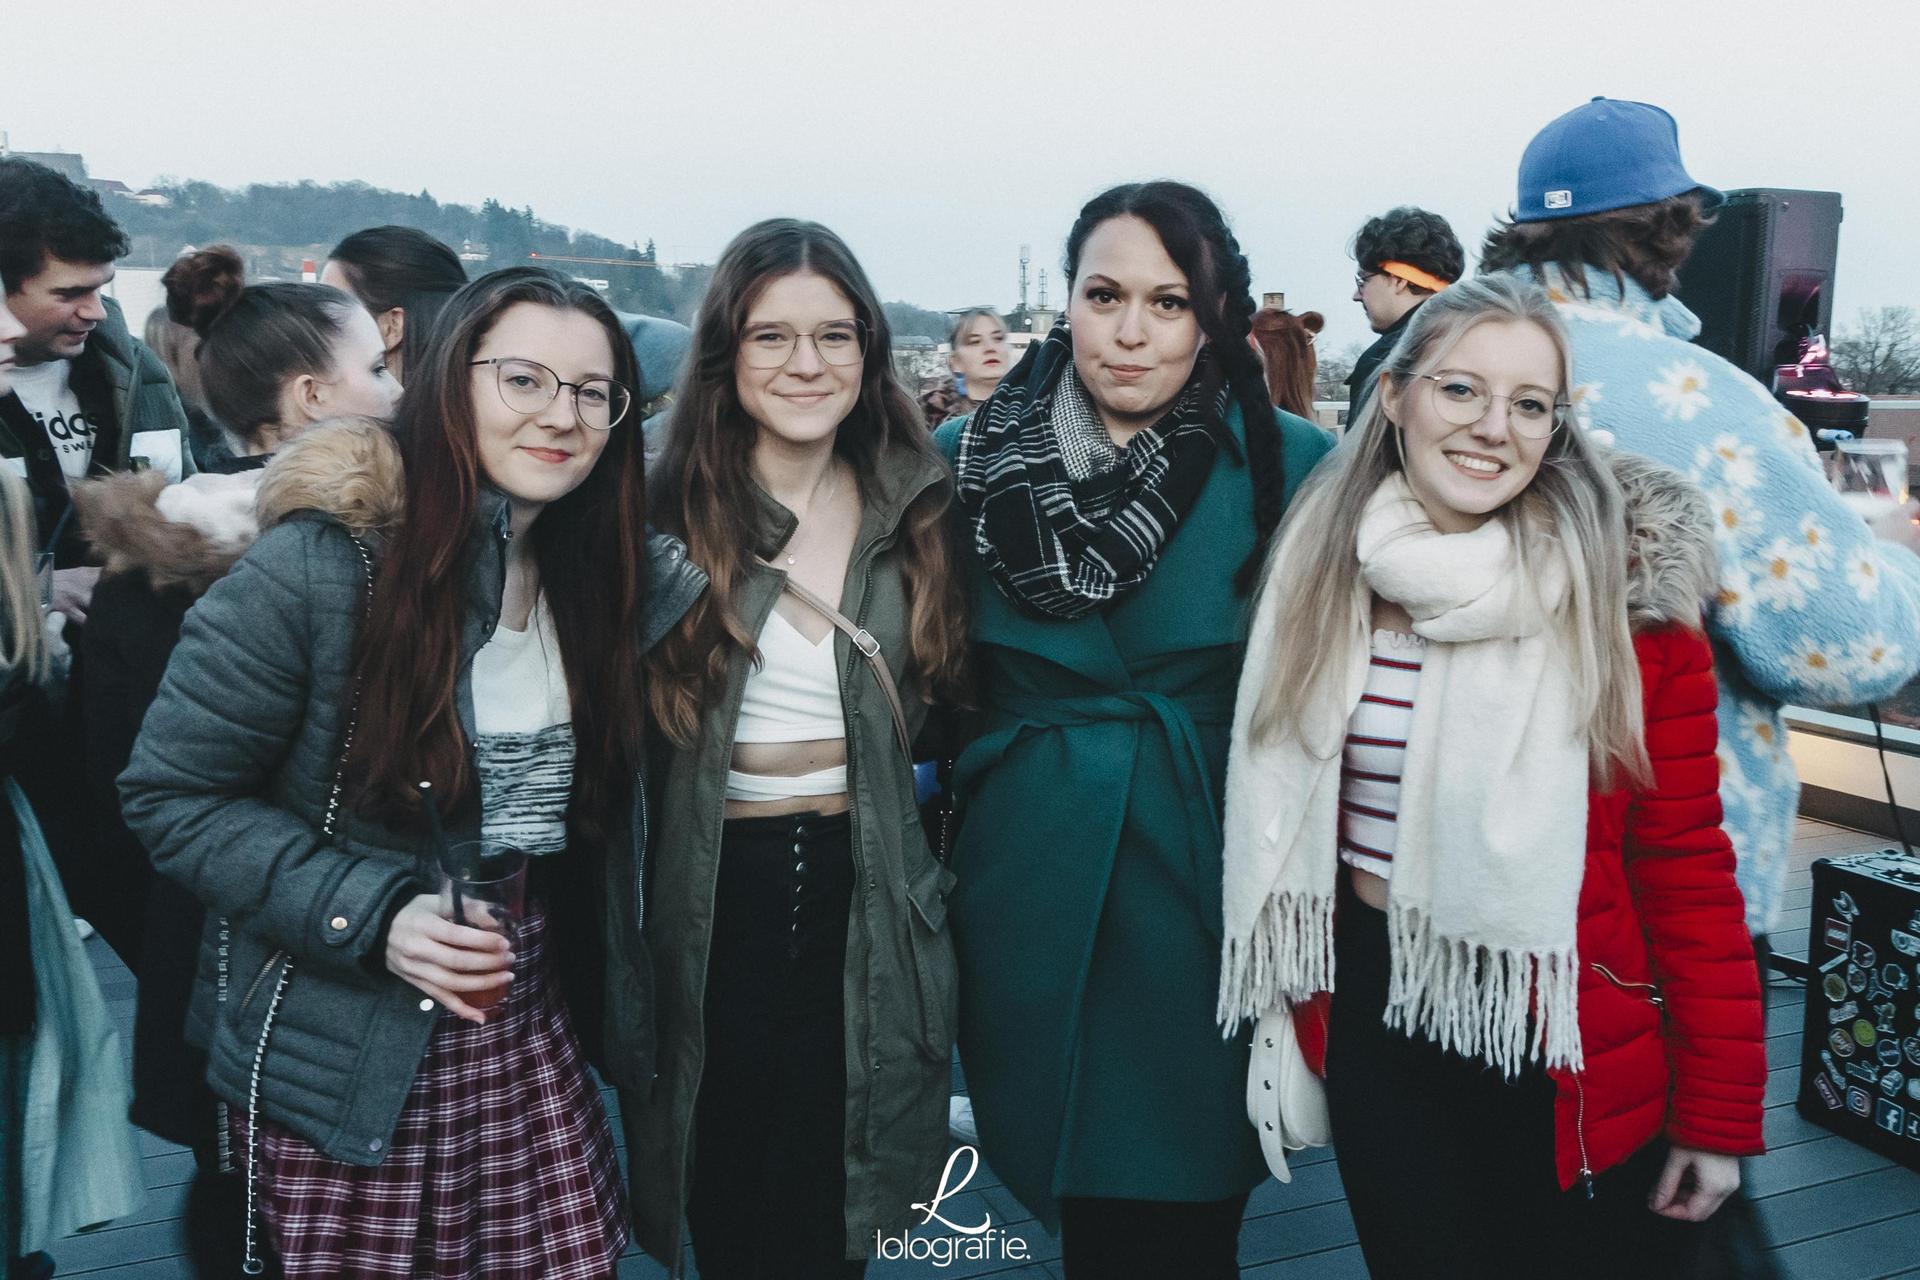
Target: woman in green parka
[1117, 491]
[797, 918]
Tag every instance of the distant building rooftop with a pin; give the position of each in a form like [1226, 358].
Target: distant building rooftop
[66, 163]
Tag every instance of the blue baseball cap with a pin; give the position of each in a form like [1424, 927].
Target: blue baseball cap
[1607, 154]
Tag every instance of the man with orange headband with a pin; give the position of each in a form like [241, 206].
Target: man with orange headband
[1406, 255]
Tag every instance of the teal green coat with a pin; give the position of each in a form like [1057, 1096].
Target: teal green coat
[1087, 914]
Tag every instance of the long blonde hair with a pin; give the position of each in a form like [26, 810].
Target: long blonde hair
[1574, 500]
[23, 649]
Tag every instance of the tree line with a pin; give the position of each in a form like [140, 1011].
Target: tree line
[306, 218]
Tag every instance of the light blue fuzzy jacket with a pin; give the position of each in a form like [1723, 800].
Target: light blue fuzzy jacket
[1811, 610]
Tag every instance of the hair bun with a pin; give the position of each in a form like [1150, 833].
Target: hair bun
[204, 285]
[1312, 321]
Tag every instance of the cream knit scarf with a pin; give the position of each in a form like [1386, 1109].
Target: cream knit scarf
[1491, 843]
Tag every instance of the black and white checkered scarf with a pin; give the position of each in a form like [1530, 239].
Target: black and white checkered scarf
[1064, 521]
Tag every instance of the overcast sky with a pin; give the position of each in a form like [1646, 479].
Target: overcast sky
[938, 139]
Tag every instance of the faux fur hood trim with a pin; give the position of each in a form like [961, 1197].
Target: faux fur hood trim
[190, 534]
[186, 534]
[349, 469]
[1672, 567]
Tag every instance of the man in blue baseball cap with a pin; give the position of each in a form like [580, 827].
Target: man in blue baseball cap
[1815, 606]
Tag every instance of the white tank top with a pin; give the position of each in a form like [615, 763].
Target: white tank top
[793, 695]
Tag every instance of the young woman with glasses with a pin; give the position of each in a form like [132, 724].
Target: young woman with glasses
[1117, 494]
[806, 980]
[461, 614]
[1472, 795]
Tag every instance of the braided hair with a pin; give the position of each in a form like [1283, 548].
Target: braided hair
[1195, 235]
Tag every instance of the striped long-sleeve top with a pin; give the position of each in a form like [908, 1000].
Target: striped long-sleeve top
[1376, 751]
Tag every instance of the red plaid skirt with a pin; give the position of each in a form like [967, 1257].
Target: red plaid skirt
[502, 1163]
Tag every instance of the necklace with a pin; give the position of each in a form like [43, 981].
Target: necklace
[833, 474]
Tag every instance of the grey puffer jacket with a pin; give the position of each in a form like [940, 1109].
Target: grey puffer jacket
[233, 777]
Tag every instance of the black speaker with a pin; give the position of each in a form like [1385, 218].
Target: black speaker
[1761, 277]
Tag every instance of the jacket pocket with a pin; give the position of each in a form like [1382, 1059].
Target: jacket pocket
[1646, 991]
[936, 973]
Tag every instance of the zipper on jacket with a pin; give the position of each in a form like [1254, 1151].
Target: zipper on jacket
[260, 977]
[1580, 1132]
[640, 859]
[853, 839]
[1644, 990]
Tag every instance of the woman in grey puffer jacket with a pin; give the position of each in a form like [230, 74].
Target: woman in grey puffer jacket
[396, 1120]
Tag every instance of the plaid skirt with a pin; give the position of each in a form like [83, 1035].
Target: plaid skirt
[501, 1165]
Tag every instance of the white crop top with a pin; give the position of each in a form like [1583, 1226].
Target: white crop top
[791, 695]
[523, 736]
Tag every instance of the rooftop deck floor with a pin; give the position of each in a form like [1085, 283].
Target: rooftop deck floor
[1832, 1209]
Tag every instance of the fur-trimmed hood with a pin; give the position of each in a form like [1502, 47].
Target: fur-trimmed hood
[1671, 562]
[190, 534]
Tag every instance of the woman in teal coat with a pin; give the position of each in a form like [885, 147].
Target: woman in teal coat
[1118, 491]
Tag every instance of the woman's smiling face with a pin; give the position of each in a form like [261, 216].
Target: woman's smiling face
[805, 399]
[1463, 474]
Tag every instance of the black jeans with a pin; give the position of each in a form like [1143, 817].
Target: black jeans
[1108, 1239]
[1449, 1167]
[768, 1200]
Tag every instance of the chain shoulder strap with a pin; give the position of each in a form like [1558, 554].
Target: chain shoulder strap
[251, 1263]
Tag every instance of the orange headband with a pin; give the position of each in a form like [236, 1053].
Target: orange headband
[1414, 275]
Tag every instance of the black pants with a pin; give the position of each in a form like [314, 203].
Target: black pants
[768, 1200]
[1449, 1168]
[1107, 1239]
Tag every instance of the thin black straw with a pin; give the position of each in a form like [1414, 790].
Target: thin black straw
[440, 849]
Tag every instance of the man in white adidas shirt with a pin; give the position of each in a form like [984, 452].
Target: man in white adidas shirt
[87, 397]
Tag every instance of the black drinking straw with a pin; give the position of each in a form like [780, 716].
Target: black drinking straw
[440, 849]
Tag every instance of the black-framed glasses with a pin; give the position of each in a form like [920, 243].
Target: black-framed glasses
[1464, 398]
[527, 386]
[770, 346]
[1360, 278]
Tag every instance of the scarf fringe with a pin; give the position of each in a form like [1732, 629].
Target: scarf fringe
[1479, 1003]
[1287, 957]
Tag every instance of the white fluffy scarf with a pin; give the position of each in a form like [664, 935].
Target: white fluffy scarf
[1491, 845]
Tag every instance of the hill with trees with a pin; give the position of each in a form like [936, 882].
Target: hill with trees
[277, 224]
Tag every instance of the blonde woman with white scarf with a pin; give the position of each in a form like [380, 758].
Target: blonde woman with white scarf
[1472, 795]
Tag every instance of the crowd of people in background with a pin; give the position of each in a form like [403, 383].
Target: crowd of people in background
[1218, 783]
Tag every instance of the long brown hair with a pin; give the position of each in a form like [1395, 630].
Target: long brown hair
[704, 478]
[1286, 348]
[589, 547]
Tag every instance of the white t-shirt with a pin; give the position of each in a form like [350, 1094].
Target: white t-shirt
[523, 731]
[47, 392]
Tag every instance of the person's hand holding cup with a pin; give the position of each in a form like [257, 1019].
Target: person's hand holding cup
[457, 945]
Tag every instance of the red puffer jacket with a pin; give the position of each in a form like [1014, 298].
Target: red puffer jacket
[1670, 1022]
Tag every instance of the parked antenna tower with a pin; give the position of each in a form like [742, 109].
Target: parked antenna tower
[1043, 288]
[1026, 256]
